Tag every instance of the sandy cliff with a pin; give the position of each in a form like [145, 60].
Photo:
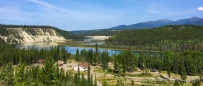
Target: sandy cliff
[22, 35]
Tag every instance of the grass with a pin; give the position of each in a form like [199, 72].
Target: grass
[140, 75]
[112, 81]
[156, 83]
[98, 70]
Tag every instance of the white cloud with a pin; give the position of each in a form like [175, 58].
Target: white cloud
[68, 17]
[66, 14]
[50, 6]
[200, 8]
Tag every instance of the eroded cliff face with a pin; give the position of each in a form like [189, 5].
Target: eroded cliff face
[25, 35]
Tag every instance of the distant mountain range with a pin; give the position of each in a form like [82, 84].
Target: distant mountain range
[159, 23]
[143, 25]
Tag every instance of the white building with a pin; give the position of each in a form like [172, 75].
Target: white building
[82, 67]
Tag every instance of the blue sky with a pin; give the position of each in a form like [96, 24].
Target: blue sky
[95, 14]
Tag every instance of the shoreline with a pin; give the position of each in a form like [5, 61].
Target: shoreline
[80, 44]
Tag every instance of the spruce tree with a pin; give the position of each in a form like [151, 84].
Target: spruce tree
[77, 55]
[6, 75]
[89, 75]
[46, 74]
[95, 80]
[96, 58]
[20, 73]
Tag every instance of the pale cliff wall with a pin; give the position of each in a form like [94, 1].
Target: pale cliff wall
[22, 35]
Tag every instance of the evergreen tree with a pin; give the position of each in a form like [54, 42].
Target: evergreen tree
[6, 75]
[196, 83]
[89, 76]
[46, 75]
[20, 74]
[95, 81]
[77, 55]
[96, 58]
[104, 57]
[177, 83]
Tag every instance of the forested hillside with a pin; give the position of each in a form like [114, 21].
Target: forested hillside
[101, 32]
[176, 38]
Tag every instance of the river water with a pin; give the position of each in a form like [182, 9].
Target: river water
[71, 49]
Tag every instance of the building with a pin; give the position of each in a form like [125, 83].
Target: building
[41, 61]
[82, 67]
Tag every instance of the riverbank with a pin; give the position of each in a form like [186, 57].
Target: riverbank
[102, 46]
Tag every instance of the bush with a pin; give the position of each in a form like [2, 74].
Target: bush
[196, 83]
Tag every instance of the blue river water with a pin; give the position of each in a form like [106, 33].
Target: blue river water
[70, 49]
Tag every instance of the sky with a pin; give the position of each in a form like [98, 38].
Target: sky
[95, 14]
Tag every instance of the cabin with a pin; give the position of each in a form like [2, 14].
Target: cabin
[41, 61]
[82, 66]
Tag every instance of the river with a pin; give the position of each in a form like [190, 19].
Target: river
[71, 49]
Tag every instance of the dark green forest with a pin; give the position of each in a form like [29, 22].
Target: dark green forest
[175, 38]
[102, 32]
[26, 74]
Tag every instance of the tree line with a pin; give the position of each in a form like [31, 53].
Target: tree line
[9, 53]
[172, 37]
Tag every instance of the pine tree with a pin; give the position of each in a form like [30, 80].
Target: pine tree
[56, 75]
[196, 83]
[83, 81]
[176, 83]
[104, 59]
[63, 55]
[89, 76]
[96, 58]
[76, 79]
[77, 55]
[46, 74]
[91, 56]
[78, 73]
[20, 74]
[95, 80]
[6, 75]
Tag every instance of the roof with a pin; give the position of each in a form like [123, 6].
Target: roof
[84, 65]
